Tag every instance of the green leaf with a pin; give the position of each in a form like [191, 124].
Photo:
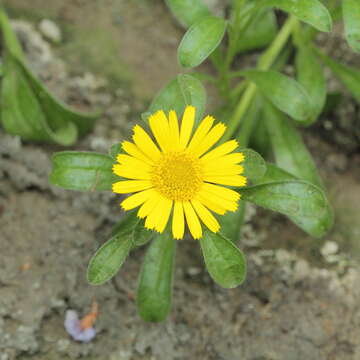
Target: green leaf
[274, 174]
[188, 12]
[312, 12]
[261, 31]
[311, 76]
[200, 41]
[114, 150]
[285, 93]
[304, 203]
[348, 75]
[225, 263]
[82, 171]
[110, 256]
[28, 109]
[290, 151]
[155, 282]
[232, 221]
[178, 93]
[254, 164]
[351, 14]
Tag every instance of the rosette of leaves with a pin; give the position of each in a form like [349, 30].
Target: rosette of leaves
[27, 107]
[302, 200]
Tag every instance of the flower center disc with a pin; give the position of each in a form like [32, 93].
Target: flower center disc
[177, 176]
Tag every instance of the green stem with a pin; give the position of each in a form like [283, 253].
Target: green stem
[265, 62]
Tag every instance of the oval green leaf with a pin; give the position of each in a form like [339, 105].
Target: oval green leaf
[290, 152]
[109, 258]
[254, 164]
[225, 263]
[312, 12]
[187, 12]
[232, 221]
[260, 33]
[155, 281]
[82, 171]
[200, 41]
[304, 203]
[351, 14]
[178, 93]
[310, 75]
[285, 93]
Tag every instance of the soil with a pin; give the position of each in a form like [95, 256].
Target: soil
[299, 301]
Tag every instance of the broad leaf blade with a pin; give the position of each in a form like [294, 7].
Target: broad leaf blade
[82, 171]
[285, 93]
[155, 282]
[351, 14]
[110, 256]
[232, 221]
[200, 41]
[183, 90]
[187, 12]
[261, 31]
[304, 203]
[225, 263]
[254, 164]
[290, 151]
[311, 76]
[313, 12]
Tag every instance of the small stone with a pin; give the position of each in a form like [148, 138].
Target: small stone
[193, 271]
[329, 248]
[301, 270]
[50, 30]
[62, 345]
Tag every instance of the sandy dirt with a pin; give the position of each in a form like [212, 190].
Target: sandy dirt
[300, 301]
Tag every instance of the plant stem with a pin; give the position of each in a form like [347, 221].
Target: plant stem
[265, 62]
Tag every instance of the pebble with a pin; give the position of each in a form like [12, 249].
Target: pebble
[50, 30]
[329, 248]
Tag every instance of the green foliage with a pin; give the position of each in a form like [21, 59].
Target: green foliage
[28, 109]
[311, 76]
[260, 106]
[225, 263]
[155, 281]
[179, 92]
[82, 171]
[351, 12]
[200, 41]
[285, 93]
[304, 203]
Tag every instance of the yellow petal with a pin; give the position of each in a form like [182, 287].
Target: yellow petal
[192, 220]
[233, 180]
[160, 128]
[205, 216]
[164, 213]
[129, 186]
[131, 172]
[221, 150]
[136, 200]
[224, 171]
[215, 206]
[144, 143]
[178, 223]
[174, 129]
[216, 200]
[187, 124]
[201, 132]
[226, 160]
[154, 219]
[134, 151]
[210, 139]
[221, 191]
[149, 205]
[130, 161]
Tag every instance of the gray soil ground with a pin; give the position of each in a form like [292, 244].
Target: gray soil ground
[301, 299]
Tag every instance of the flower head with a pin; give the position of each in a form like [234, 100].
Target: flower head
[180, 173]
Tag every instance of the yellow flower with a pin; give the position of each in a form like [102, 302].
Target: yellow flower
[180, 173]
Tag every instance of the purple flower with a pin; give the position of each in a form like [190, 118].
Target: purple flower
[75, 330]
